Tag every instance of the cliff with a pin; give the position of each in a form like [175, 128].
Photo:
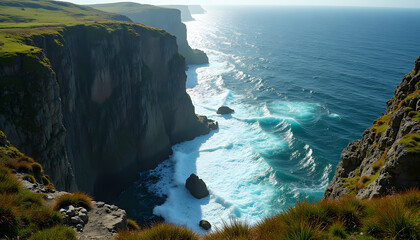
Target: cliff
[185, 11]
[94, 102]
[196, 9]
[386, 159]
[159, 17]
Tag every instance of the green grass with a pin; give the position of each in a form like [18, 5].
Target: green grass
[58, 233]
[380, 125]
[126, 7]
[35, 13]
[22, 212]
[411, 142]
[77, 199]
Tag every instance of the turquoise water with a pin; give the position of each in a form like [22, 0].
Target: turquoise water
[303, 83]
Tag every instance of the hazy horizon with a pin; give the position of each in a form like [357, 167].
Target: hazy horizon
[344, 3]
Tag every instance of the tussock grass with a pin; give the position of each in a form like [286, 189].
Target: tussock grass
[161, 231]
[132, 225]
[19, 165]
[234, 229]
[392, 217]
[29, 178]
[338, 230]
[77, 199]
[36, 170]
[57, 233]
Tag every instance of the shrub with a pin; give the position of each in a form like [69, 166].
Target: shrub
[364, 179]
[37, 170]
[29, 178]
[8, 220]
[338, 230]
[132, 225]
[45, 180]
[19, 166]
[58, 233]
[8, 183]
[50, 186]
[77, 199]
[45, 217]
[26, 159]
[160, 231]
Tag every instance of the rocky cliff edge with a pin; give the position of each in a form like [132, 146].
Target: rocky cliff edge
[387, 158]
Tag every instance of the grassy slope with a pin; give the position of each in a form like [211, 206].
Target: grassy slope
[125, 7]
[23, 212]
[22, 19]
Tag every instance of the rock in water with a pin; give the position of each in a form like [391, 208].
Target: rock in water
[196, 186]
[224, 110]
[205, 224]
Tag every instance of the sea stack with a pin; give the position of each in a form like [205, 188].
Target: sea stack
[224, 110]
[196, 186]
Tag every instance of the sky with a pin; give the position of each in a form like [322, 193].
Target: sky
[365, 3]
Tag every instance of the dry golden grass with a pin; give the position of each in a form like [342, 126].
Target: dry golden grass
[77, 199]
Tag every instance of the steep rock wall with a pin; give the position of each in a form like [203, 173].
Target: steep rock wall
[117, 102]
[159, 17]
[387, 158]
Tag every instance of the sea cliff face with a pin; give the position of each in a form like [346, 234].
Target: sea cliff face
[159, 17]
[386, 159]
[102, 101]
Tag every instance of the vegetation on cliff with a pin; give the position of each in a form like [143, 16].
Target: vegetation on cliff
[392, 217]
[23, 212]
[385, 160]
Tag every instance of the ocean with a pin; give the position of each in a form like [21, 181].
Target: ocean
[303, 81]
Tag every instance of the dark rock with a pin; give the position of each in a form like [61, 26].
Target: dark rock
[205, 224]
[196, 186]
[224, 110]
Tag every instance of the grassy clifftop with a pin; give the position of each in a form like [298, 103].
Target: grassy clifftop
[126, 7]
[19, 20]
[35, 13]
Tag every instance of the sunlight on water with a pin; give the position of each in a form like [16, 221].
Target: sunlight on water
[283, 140]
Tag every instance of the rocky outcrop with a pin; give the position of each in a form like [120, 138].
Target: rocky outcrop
[168, 19]
[196, 186]
[205, 224]
[386, 159]
[103, 100]
[224, 110]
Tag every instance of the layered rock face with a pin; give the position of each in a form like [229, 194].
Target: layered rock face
[107, 98]
[387, 158]
[159, 17]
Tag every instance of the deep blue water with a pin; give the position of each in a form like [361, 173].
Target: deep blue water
[303, 81]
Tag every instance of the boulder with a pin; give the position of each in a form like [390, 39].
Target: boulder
[205, 224]
[196, 186]
[224, 110]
